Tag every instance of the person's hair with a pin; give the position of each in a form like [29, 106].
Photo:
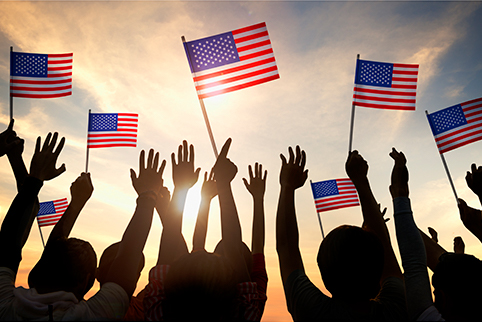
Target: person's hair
[66, 265]
[351, 262]
[244, 249]
[107, 259]
[200, 286]
[459, 278]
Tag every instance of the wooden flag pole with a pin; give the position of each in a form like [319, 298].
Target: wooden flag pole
[319, 217]
[87, 153]
[10, 90]
[446, 169]
[203, 108]
[41, 236]
[352, 123]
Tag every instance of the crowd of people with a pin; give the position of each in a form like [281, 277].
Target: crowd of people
[357, 264]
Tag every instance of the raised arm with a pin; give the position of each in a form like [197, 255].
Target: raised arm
[208, 192]
[292, 176]
[257, 187]
[357, 169]
[410, 243]
[18, 220]
[184, 176]
[80, 191]
[474, 180]
[472, 219]
[124, 269]
[432, 249]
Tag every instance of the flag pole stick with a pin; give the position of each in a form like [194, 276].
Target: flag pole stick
[352, 123]
[446, 169]
[319, 217]
[87, 153]
[10, 90]
[41, 236]
[203, 108]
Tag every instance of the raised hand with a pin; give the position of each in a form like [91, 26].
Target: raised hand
[82, 188]
[183, 173]
[9, 140]
[472, 218]
[399, 186]
[474, 179]
[433, 234]
[257, 183]
[224, 169]
[459, 245]
[43, 161]
[293, 173]
[356, 167]
[209, 189]
[150, 177]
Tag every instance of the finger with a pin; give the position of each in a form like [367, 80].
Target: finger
[292, 155]
[260, 170]
[298, 155]
[303, 159]
[37, 146]
[197, 173]
[161, 169]
[225, 149]
[256, 170]
[185, 151]
[191, 154]
[305, 176]
[10, 125]
[156, 161]
[173, 160]
[283, 159]
[60, 146]
[205, 176]
[150, 158]
[54, 141]
[473, 167]
[60, 170]
[246, 184]
[142, 161]
[250, 171]
[265, 174]
[211, 175]
[179, 154]
[133, 175]
[47, 141]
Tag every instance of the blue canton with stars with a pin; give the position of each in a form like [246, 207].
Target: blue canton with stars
[103, 122]
[325, 189]
[447, 119]
[211, 52]
[28, 65]
[46, 208]
[373, 73]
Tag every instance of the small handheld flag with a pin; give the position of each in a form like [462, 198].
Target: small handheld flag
[50, 212]
[457, 125]
[108, 130]
[334, 194]
[385, 85]
[232, 60]
[40, 75]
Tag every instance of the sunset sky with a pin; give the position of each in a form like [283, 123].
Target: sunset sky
[128, 57]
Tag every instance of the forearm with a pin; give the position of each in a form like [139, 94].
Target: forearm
[258, 233]
[17, 223]
[230, 226]
[287, 235]
[66, 223]
[432, 249]
[18, 167]
[200, 232]
[414, 260]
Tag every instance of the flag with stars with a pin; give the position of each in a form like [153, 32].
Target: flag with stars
[385, 85]
[458, 125]
[334, 194]
[231, 61]
[40, 75]
[108, 130]
[50, 212]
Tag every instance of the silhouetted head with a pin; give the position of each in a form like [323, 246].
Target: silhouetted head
[351, 260]
[107, 259]
[66, 265]
[200, 286]
[457, 281]
[244, 249]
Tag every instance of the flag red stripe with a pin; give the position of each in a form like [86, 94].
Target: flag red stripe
[39, 89]
[460, 138]
[67, 61]
[442, 150]
[234, 88]
[405, 72]
[60, 55]
[471, 101]
[388, 107]
[256, 54]
[376, 91]
[112, 145]
[335, 207]
[121, 134]
[405, 65]
[337, 199]
[402, 79]
[45, 82]
[59, 68]
[59, 75]
[251, 37]
[40, 96]
[50, 217]
[470, 108]
[384, 99]
[234, 69]
[237, 78]
[112, 139]
[126, 120]
[464, 129]
[256, 45]
[249, 28]
[128, 114]
[404, 86]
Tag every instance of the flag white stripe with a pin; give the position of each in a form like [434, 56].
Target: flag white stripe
[231, 84]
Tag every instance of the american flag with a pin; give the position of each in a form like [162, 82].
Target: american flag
[334, 194]
[108, 130]
[40, 75]
[458, 125]
[50, 212]
[385, 85]
[232, 60]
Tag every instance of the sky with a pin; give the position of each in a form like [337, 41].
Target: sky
[128, 57]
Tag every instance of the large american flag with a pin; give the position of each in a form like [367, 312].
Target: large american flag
[50, 212]
[232, 60]
[112, 130]
[458, 125]
[385, 85]
[40, 75]
[334, 194]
